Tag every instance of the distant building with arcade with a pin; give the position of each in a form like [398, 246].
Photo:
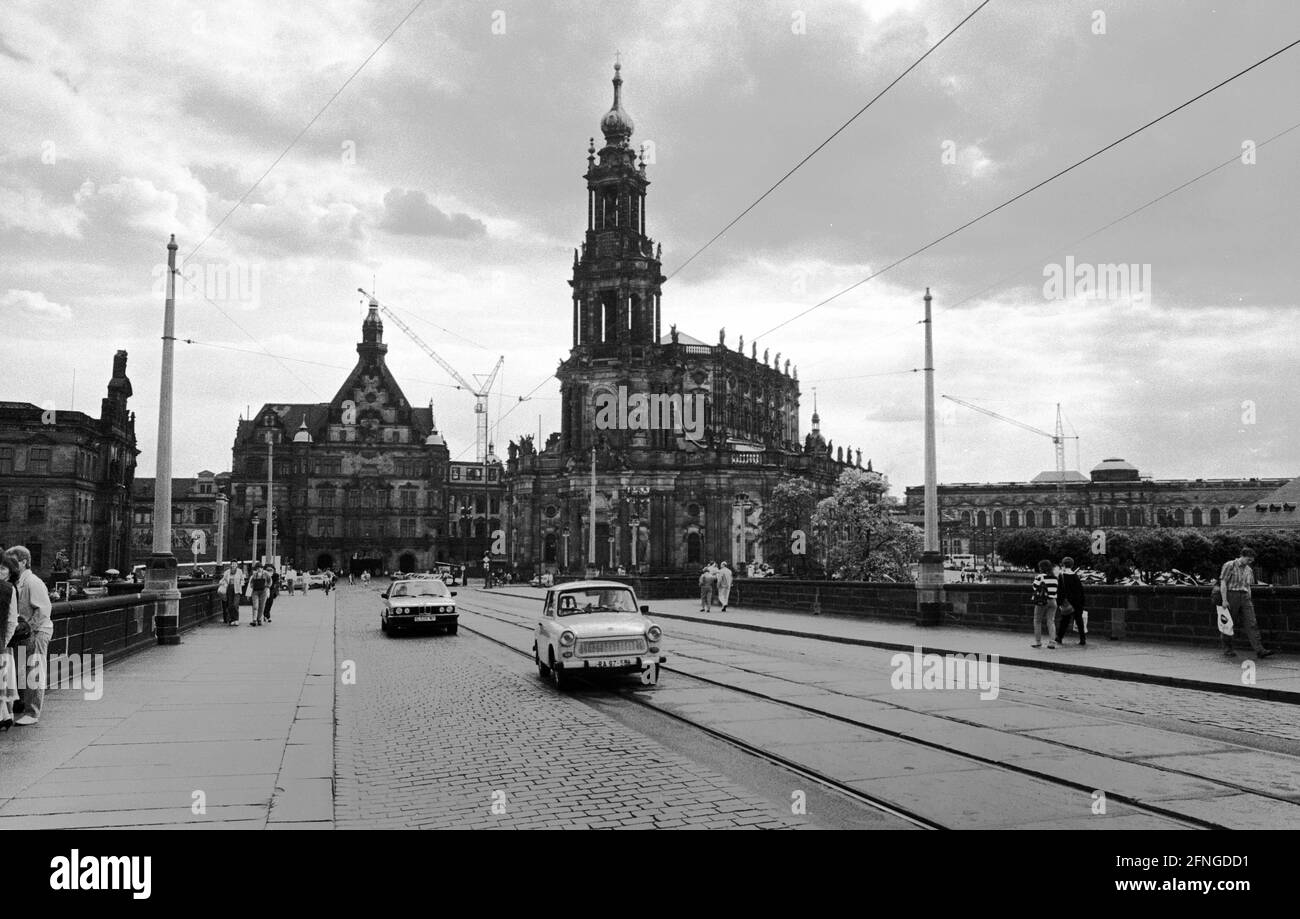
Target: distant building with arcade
[1113, 495]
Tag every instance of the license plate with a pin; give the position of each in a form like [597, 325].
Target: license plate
[426, 617]
[615, 662]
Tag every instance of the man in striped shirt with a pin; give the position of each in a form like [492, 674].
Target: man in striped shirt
[1235, 580]
[1044, 604]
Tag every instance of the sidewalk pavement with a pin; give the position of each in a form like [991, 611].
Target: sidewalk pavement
[233, 728]
[1182, 665]
[1188, 666]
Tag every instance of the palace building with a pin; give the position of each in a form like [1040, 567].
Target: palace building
[362, 482]
[65, 481]
[1113, 495]
[687, 439]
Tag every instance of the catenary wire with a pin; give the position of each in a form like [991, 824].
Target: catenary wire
[1030, 190]
[306, 128]
[818, 148]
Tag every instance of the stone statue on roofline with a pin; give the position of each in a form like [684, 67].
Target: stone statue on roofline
[722, 335]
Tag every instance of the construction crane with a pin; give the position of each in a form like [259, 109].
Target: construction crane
[1058, 439]
[481, 392]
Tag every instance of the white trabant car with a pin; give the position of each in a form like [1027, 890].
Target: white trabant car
[595, 627]
[415, 602]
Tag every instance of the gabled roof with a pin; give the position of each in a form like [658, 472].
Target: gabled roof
[1281, 508]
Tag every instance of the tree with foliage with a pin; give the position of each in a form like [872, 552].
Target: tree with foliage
[790, 507]
[1195, 553]
[1154, 551]
[1070, 542]
[863, 542]
[1023, 548]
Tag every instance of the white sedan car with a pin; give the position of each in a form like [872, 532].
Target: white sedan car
[596, 627]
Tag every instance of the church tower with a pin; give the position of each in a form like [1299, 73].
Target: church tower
[616, 274]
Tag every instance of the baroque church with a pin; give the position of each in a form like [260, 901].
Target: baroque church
[687, 439]
[362, 482]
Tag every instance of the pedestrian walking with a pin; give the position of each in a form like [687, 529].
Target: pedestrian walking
[1236, 579]
[33, 606]
[329, 582]
[258, 585]
[9, 618]
[708, 582]
[1045, 587]
[1069, 597]
[724, 585]
[230, 588]
[273, 577]
[289, 578]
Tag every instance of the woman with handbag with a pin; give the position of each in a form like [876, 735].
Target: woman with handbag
[1070, 603]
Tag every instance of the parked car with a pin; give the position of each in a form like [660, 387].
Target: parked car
[596, 627]
[419, 602]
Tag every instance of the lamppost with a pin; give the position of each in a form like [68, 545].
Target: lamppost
[466, 514]
[636, 537]
[612, 567]
[256, 520]
[565, 533]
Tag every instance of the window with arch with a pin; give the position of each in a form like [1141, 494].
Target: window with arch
[1121, 517]
[1232, 512]
[965, 518]
[1013, 519]
[1030, 519]
[982, 519]
[1047, 518]
[1215, 517]
[692, 548]
[997, 518]
[1178, 517]
[1198, 519]
[1137, 517]
[1107, 517]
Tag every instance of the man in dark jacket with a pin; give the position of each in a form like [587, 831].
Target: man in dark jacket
[1070, 590]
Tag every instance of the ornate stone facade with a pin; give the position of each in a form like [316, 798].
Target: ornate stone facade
[1114, 495]
[360, 482]
[65, 481]
[688, 439]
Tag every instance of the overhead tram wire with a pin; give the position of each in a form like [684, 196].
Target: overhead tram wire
[231, 319]
[1235, 158]
[300, 360]
[819, 147]
[305, 129]
[1030, 190]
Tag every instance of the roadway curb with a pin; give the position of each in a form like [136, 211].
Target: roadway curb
[1128, 676]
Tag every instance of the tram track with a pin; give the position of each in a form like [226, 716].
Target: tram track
[512, 618]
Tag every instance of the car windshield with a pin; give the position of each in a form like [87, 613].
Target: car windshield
[597, 600]
[418, 589]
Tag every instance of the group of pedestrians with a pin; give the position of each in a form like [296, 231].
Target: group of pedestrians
[1058, 602]
[24, 600]
[715, 586]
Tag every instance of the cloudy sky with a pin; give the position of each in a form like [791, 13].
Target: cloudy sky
[448, 173]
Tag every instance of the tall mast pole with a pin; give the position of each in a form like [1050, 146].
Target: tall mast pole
[931, 475]
[591, 528]
[160, 577]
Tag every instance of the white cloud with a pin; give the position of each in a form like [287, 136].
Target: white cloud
[20, 304]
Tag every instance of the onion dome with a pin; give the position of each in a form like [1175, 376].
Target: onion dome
[303, 436]
[434, 439]
[617, 124]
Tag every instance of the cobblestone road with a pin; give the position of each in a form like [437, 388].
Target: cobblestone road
[442, 732]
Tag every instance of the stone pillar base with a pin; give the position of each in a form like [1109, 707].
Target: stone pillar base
[931, 608]
[160, 580]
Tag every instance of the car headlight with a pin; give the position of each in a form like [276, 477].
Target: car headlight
[567, 638]
[654, 633]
